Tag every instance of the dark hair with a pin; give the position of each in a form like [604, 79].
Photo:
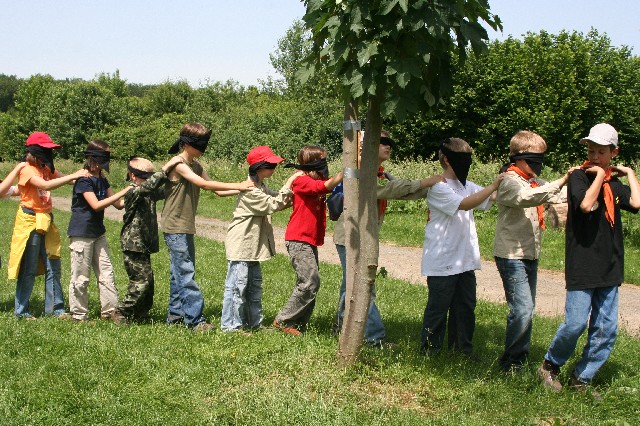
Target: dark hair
[309, 154]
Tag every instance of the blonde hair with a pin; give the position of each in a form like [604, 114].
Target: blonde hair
[141, 164]
[526, 141]
[455, 145]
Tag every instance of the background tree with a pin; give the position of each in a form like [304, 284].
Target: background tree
[396, 55]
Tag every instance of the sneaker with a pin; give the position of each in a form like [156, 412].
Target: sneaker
[175, 319]
[203, 327]
[83, 320]
[548, 374]
[118, 318]
[581, 386]
[287, 330]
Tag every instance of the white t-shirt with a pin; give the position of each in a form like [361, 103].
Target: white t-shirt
[450, 238]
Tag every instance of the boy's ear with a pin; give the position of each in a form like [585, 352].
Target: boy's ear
[615, 152]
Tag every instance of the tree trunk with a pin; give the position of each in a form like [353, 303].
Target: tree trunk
[361, 230]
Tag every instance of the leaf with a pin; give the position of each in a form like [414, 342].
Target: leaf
[404, 4]
[365, 55]
[403, 79]
[389, 7]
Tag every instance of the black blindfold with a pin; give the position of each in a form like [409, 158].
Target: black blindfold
[460, 163]
[44, 155]
[199, 143]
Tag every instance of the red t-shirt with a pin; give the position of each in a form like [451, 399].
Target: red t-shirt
[38, 200]
[308, 218]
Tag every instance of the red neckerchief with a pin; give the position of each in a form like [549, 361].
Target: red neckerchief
[382, 204]
[609, 212]
[530, 178]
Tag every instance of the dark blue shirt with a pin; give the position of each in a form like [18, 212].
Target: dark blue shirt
[86, 222]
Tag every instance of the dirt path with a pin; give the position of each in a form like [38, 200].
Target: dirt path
[550, 291]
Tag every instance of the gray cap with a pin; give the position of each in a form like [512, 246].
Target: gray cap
[602, 134]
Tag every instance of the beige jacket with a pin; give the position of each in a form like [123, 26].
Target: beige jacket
[518, 232]
[250, 233]
[395, 189]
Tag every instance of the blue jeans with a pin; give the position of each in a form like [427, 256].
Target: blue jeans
[53, 296]
[519, 279]
[185, 298]
[599, 308]
[374, 332]
[242, 301]
[454, 295]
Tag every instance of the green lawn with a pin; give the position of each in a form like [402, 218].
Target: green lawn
[63, 373]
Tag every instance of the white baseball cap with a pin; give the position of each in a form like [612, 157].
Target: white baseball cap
[602, 134]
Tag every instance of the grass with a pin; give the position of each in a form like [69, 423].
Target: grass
[64, 373]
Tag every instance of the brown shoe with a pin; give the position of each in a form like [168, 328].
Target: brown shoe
[203, 327]
[118, 318]
[64, 316]
[287, 330]
[548, 374]
[581, 386]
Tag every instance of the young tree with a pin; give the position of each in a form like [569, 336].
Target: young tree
[395, 55]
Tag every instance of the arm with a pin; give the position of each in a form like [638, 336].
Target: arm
[333, 181]
[48, 185]
[112, 199]
[205, 181]
[11, 177]
[634, 200]
[591, 196]
[401, 189]
[476, 199]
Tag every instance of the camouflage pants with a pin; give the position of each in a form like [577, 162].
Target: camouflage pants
[139, 298]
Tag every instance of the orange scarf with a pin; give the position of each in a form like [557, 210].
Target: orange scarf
[382, 204]
[530, 178]
[609, 213]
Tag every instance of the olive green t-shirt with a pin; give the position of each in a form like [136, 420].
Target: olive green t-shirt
[181, 203]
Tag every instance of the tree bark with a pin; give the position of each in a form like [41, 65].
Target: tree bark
[361, 229]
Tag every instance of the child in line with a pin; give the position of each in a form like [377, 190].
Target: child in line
[250, 241]
[87, 239]
[182, 192]
[451, 253]
[35, 243]
[304, 233]
[389, 188]
[139, 236]
[517, 243]
[594, 260]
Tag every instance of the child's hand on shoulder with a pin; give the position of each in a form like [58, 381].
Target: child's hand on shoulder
[246, 185]
[620, 170]
[20, 166]
[81, 173]
[496, 182]
[432, 180]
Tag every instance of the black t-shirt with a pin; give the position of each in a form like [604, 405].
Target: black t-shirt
[594, 252]
[86, 222]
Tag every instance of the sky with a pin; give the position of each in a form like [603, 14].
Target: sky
[202, 41]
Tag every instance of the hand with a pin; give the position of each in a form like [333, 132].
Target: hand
[496, 182]
[592, 168]
[432, 180]
[620, 170]
[297, 174]
[246, 185]
[81, 173]
[174, 161]
[20, 166]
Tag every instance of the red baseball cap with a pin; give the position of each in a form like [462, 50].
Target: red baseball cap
[262, 153]
[42, 139]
